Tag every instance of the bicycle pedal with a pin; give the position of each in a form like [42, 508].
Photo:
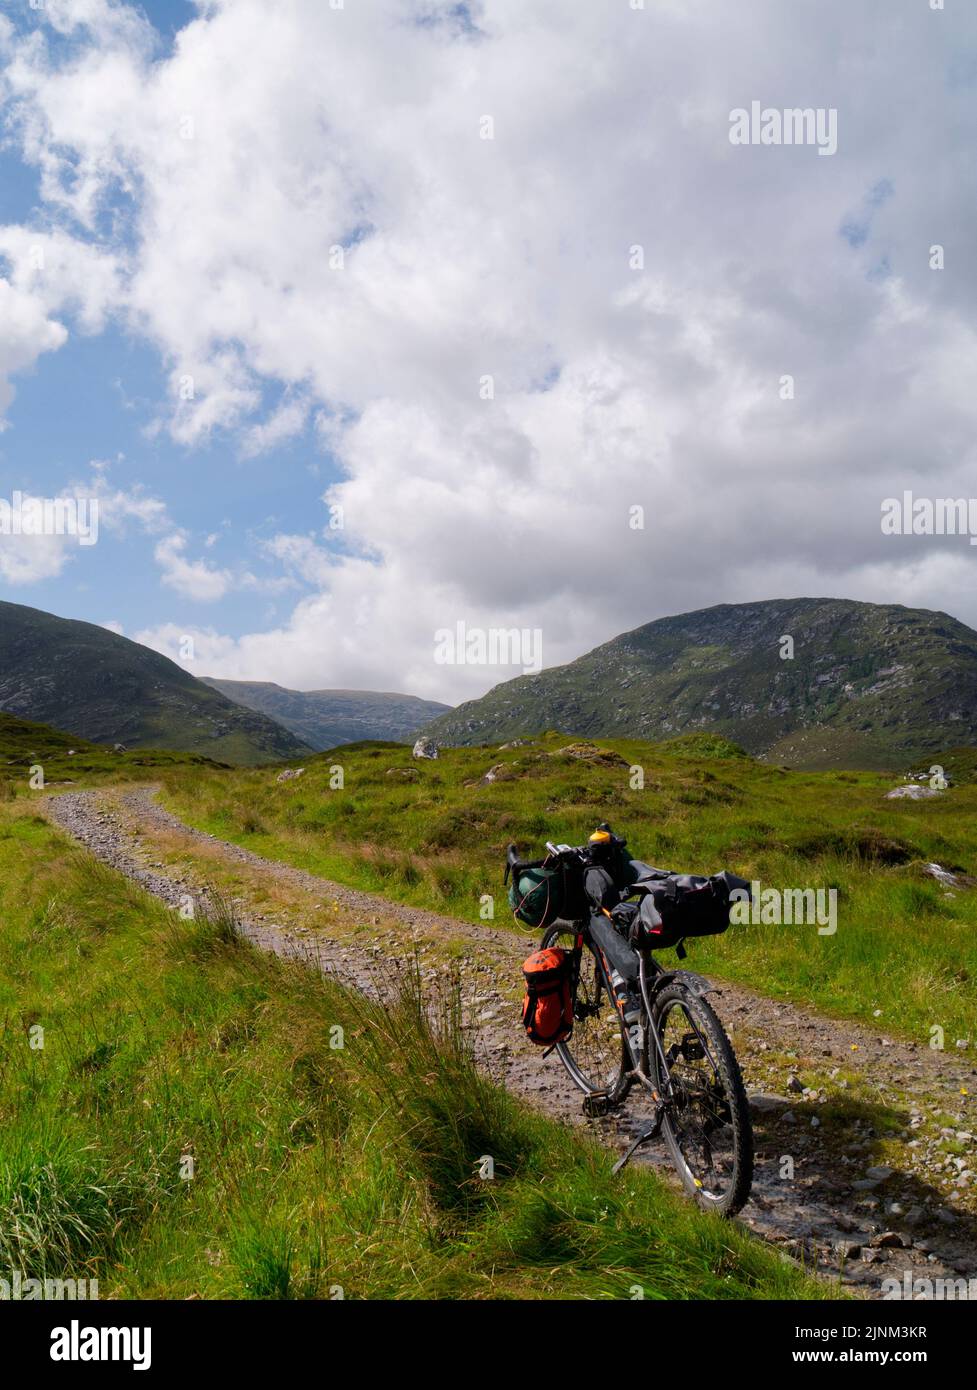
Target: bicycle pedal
[596, 1104]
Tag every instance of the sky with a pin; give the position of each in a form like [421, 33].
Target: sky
[362, 320]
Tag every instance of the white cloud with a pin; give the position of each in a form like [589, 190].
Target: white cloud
[27, 332]
[511, 258]
[287, 421]
[30, 559]
[193, 579]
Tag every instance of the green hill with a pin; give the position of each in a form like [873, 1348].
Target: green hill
[23, 740]
[867, 685]
[327, 718]
[105, 688]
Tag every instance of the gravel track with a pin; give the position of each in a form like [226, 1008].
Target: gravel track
[841, 1212]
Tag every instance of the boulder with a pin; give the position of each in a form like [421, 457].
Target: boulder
[425, 748]
[289, 773]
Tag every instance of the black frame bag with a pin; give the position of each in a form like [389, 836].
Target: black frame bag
[674, 906]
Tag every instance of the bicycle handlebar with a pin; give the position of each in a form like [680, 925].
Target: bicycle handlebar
[515, 865]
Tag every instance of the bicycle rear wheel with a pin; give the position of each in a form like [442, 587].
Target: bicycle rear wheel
[596, 1055]
[706, 1122]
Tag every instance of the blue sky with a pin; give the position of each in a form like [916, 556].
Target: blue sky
[394, 247]
[97, 398]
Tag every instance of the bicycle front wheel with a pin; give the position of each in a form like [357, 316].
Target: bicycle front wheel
[706, 1121]
[596, 1055]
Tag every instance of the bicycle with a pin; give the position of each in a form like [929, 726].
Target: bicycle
[685, 1067]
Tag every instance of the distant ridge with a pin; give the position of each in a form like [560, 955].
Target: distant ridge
[326, 718]
[868, 685]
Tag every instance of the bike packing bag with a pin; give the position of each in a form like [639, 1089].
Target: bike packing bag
[547, 1008]
[536, 896]
[679, 905]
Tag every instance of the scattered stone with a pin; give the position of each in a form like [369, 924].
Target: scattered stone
[289, 773]
[500, 773]
[889, 1240]
[879, 1174]
[795, 1085]
[940, 874]
[762, 1104]
[912, 792]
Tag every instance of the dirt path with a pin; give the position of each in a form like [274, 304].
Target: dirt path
[865, 1144]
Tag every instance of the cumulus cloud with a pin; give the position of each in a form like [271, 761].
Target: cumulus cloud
[193, 579]
[511, 342]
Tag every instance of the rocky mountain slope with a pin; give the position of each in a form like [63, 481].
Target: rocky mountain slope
[859, 684]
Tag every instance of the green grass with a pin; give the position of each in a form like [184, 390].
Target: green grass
[433, 834]
[26, 746]
[315, 1168]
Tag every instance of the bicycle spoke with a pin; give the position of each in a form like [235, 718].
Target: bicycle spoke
[699, 1112]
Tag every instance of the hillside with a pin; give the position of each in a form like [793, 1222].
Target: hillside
[326, 718]
[869, 685]
[23, 741]
[103, 687]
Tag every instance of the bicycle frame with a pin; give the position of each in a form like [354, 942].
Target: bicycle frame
[652, 977]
